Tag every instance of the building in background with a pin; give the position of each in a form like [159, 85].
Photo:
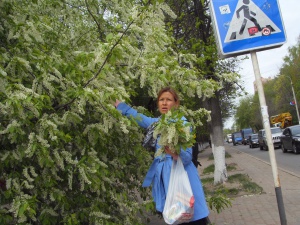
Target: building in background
[263, 80]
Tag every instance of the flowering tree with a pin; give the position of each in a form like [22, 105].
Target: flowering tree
[67, 155]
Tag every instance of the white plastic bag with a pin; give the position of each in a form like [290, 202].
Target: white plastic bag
[179, 206]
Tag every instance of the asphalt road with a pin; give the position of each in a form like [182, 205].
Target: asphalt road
[287, 161]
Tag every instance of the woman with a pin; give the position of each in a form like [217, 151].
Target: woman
[159, 172]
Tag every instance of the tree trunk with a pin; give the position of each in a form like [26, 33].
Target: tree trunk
[217, 140]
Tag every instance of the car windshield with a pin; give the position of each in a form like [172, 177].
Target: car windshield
[296, 130]
[276, 130]
[247, 131]
[237, 135]
[254, 136]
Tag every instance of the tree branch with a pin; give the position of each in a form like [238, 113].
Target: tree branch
[104, 62]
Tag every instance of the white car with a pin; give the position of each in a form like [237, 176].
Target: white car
[276, 132]
[229, 138]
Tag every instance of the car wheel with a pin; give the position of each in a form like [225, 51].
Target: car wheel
[266, 147]
[284, 150]
[295, 149]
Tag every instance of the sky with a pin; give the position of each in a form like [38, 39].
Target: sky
[270, 61]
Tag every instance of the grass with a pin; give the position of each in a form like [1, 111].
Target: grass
[247, 185]
[236, 185]
[211, 156]
[211, 168]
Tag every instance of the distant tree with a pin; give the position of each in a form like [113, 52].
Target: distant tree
[255, 119]
[289, 72]
[283, 100]
[248, 110]
[278, 93]
[243, 114]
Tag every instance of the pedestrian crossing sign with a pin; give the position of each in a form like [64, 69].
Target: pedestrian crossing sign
[242, 26]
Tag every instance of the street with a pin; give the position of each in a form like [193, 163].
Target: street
[286, 161]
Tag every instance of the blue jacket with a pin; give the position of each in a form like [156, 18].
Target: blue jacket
[159, 173]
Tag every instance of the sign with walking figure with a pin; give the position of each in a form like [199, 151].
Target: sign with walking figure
[242, 26]
[248, 15]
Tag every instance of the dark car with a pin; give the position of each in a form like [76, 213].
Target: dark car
[290, 139]
[253, 141]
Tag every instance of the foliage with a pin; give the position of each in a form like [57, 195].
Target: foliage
[278, 93]
[174, 132]
[289, 76]
[67, 155]
[242, 113]
[228, 131]
[218, 202]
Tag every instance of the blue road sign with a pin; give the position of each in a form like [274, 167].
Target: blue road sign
[242, 26]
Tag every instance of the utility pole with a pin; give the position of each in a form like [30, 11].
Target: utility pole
[296, 105]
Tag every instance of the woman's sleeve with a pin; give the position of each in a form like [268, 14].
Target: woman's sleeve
[142, 120]
[186, 155]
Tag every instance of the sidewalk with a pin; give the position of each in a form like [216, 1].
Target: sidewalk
[254, 209]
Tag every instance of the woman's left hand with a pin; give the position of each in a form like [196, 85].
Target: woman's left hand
[168, 151]
[117, 102]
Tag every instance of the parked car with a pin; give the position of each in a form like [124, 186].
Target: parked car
[253, 141]
[290, 139]
[276, 132]
[237, 138]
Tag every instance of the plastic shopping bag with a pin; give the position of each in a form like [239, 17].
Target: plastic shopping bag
[179, 206]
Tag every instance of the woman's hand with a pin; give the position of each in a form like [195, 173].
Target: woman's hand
[117, 103]
[168, 151]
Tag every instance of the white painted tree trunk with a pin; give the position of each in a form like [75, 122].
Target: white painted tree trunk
[217, 141]
[220, 173]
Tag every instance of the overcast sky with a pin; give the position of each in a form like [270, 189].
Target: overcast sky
[270, 61]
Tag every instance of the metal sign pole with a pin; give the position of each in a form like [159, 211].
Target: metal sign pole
[266, 124]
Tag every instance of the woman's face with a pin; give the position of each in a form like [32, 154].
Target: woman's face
[166, 101]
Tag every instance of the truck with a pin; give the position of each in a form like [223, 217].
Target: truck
[246, 132]
[281, 120]
[236, 138]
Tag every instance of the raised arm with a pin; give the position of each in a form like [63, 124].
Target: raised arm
[126, 110]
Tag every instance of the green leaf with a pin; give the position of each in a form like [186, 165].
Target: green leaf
[109, 37]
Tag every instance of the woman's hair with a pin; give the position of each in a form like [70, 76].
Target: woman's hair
[170, 90]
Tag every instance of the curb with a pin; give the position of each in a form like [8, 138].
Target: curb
[283, 170]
